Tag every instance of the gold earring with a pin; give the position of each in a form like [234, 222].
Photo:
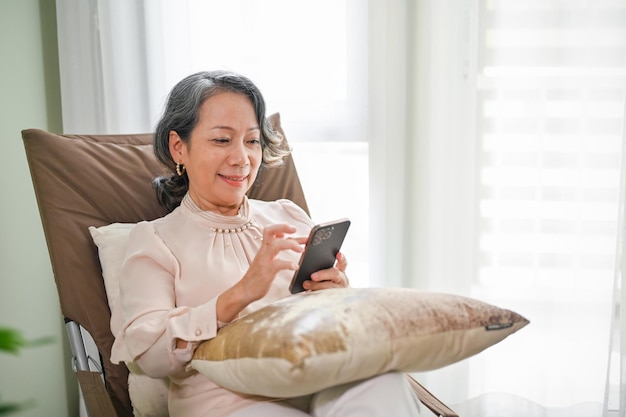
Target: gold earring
[180, 169]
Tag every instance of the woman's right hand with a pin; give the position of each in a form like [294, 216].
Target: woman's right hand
[266, 264]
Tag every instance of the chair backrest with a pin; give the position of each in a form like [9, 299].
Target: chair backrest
[94, 180]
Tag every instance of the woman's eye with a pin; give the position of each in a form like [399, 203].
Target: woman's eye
[254, 141]
[221, 140]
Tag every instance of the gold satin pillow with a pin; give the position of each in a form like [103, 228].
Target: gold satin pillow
[311, 341]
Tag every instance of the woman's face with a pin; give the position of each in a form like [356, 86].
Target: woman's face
[223, 155]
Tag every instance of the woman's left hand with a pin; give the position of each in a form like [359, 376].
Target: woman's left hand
[334, 277]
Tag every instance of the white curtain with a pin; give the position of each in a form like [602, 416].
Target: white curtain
[493, 142]
[503, 179]
[516, 194]
[118, 63]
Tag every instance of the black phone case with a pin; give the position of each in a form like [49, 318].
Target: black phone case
[320, 252]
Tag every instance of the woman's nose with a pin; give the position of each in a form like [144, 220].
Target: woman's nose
[239, 155]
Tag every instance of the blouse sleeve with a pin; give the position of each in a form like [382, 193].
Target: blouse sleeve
[150, 320]
[295, 212]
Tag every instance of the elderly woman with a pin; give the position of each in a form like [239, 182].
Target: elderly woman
[218, 256]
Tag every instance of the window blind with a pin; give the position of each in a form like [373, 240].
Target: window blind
[550, 97]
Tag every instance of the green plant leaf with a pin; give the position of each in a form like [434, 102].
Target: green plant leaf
[11, 340]
[15, 407]
[39, 341]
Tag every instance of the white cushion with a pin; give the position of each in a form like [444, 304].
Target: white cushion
[148, 395]
[111, 242]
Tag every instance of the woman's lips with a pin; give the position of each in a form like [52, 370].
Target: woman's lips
[236, 180]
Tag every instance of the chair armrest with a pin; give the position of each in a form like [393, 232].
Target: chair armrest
[429, 400]
[96, 396]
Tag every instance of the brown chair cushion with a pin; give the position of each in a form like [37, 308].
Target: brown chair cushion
[94, 180]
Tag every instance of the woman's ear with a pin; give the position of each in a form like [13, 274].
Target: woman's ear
[176, 147]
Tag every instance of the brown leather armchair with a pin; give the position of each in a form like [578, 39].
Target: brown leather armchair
[95, 180]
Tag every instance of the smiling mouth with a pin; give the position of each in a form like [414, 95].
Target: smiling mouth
[234, 178]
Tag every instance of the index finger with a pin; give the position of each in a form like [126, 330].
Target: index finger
[278, 230]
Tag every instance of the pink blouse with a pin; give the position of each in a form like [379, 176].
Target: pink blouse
[174, 270]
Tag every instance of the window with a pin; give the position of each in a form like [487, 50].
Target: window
[308, 58]
[551, 78]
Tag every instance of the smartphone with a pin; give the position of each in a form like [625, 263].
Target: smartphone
[320, 251]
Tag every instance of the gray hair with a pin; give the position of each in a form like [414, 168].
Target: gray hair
[181, 115]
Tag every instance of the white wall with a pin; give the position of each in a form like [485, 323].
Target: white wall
[29, 97]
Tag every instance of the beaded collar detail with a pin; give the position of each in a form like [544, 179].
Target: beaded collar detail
[228, 224]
